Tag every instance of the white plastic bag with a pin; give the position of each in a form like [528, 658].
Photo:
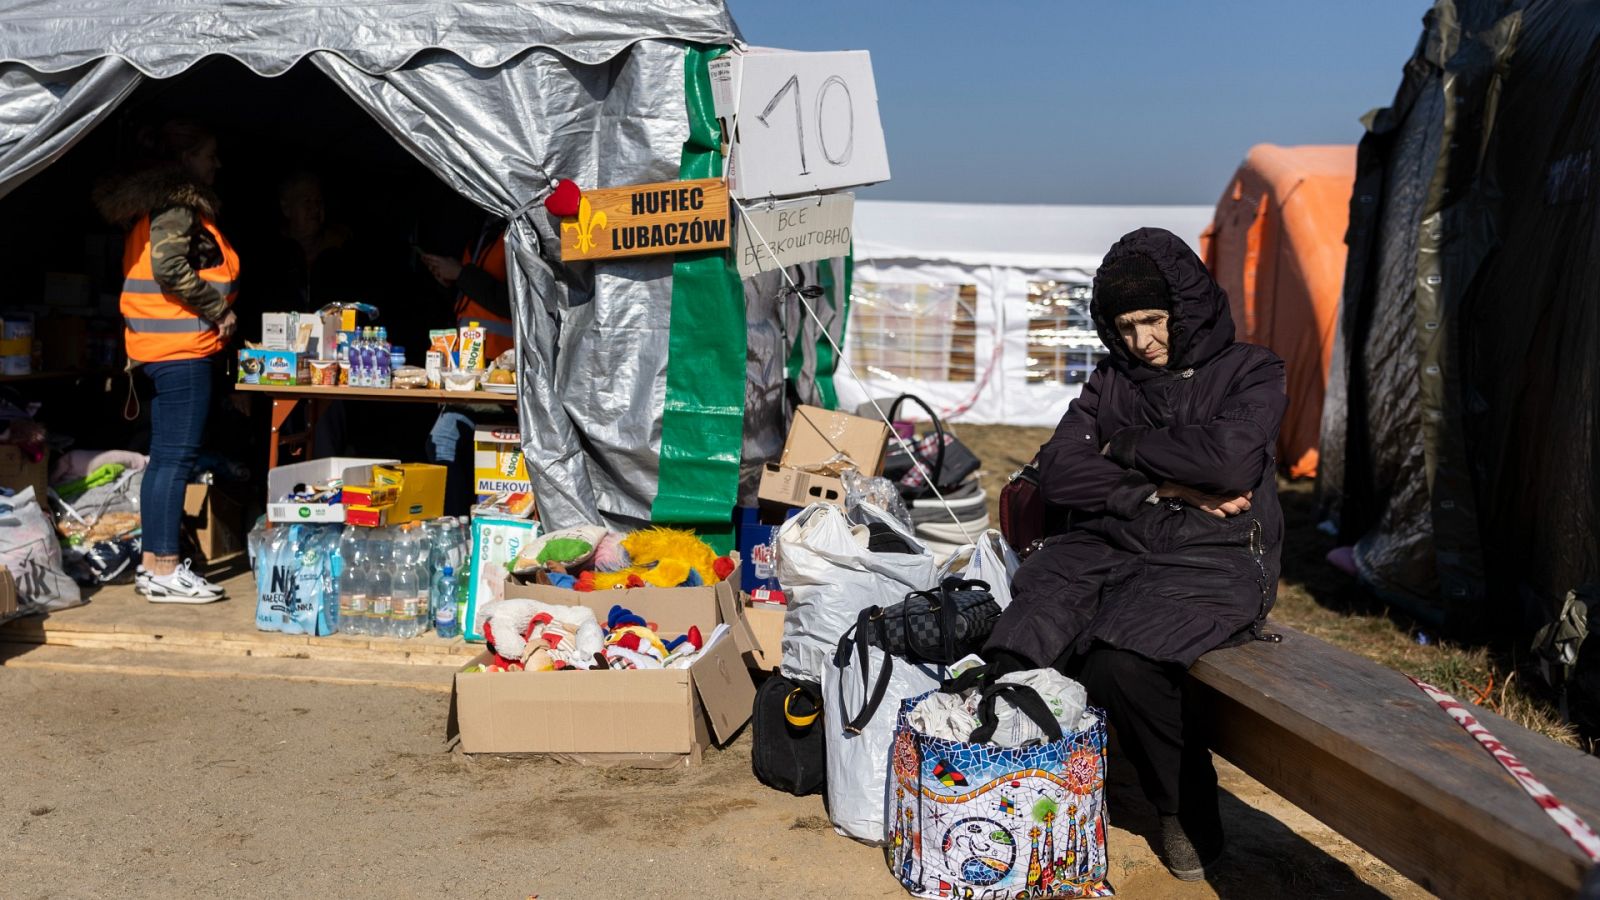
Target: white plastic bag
[991, 561]
[829, 576]
[29, 548]
[858, 763]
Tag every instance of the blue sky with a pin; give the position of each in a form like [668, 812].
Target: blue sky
[1077, 101]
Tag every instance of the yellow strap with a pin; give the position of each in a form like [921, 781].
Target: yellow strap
[799, 721]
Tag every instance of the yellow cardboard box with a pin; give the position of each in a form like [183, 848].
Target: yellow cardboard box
[419, 491]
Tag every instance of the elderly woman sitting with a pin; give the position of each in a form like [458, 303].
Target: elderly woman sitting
[1165, 467]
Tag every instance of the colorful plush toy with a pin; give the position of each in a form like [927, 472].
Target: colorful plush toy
[570, 635]
[569, 548]
[663, 557]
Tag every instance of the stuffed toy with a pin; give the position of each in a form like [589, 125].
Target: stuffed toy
[662, 557]
[569, 548]
[516, 629]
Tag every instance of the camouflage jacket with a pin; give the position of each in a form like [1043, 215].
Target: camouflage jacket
[180, 246]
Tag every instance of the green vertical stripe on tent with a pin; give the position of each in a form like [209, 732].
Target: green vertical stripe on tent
[827, 363]
[702, 422]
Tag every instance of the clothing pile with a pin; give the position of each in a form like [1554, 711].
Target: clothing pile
[528, 635]
[96, 505]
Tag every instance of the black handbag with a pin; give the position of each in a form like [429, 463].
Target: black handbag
[788, 746]
[946, 459]
[938, 626]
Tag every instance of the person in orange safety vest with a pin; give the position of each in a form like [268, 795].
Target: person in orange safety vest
[178, 289]
[479, 279]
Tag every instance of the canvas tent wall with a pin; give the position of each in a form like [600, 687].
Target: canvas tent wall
[1277, 247]
[982, 309]
[635, 373]
[1463, 414]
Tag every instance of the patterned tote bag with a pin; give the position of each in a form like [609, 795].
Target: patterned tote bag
[977, 820]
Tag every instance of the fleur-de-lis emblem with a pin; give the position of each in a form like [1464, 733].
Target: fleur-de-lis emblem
[588, 223]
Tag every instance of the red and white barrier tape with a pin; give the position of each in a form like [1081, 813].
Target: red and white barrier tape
[1570, 822]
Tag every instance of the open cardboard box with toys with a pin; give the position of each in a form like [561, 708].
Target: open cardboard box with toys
[650, 717]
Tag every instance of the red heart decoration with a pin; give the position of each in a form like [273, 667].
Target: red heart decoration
[563, 201]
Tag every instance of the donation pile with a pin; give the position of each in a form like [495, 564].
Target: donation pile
[527, 635]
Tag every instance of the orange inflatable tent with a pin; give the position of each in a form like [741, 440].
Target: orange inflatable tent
[1277, 247]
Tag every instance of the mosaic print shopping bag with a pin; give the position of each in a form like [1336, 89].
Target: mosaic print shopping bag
[984, 821]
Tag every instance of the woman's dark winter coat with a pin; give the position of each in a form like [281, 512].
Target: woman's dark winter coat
[1165, 580]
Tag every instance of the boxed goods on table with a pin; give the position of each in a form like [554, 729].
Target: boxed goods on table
[282, 367]
[312, 491]
[419, 490]
[820, 446]
[650, 716]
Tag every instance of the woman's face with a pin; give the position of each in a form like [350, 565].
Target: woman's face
[202, 162]
[1145, 333]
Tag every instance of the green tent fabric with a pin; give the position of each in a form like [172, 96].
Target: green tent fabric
[702, 422]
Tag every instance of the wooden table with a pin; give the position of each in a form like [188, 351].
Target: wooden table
[286, 398]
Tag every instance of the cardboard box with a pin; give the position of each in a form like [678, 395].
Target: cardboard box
[419, 490]
[281, 482]
[498, 464]
[766, 625]
[213, 523]
[274, 367]
[653, 716]
[368, 495]
[819, 436]
[792, 487]
[496, 542]
[275, 330]
[17, 471]
[10, 603]
[363, 516]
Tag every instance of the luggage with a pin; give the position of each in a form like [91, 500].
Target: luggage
[938, 626]
[789, 745]
[973, 819]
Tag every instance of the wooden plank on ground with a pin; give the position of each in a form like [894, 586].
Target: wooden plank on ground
[180, 665]
[1358, 746]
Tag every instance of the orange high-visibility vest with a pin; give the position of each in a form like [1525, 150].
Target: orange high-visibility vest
[497, 334]
[158, 327]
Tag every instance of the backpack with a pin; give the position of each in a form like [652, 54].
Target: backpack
[789, 747]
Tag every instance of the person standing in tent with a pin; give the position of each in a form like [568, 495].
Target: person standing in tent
[179, 284]
[1165, 463]
[482, 296]
[479, 280]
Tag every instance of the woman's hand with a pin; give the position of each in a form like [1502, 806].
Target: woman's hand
[444, 269]
[1220, 505]
[227, 325]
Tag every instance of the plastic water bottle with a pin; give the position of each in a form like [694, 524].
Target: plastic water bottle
[364, 354]
[445, 622]
[380, 361]
[381, 586]
[410, 590]
[353, 599]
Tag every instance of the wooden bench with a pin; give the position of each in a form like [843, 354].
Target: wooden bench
[1359, 747]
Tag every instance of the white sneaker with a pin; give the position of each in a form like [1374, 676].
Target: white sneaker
[182, 586]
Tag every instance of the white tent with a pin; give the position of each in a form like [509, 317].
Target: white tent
[982, 309]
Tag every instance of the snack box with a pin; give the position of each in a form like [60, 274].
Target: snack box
[367, 516]
[646, 717]
[284, 367]
[369, 495]
[281, 482]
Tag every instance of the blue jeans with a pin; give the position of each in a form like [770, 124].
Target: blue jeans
[177, 423]
[450, 445]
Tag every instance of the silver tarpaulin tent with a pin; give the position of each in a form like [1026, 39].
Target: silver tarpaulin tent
[498, 99]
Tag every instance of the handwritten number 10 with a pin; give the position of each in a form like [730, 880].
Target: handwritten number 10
[793, 85]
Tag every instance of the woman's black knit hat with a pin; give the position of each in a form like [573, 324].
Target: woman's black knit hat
[1129, 283]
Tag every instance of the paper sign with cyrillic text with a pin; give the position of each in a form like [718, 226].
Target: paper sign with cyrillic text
[771, 236]
[647, 219]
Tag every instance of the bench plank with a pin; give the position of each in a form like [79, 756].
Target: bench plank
[1358, 746]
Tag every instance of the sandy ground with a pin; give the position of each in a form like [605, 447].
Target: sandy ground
[178, 787]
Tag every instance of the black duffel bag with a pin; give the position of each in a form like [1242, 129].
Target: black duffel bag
[789, 749]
